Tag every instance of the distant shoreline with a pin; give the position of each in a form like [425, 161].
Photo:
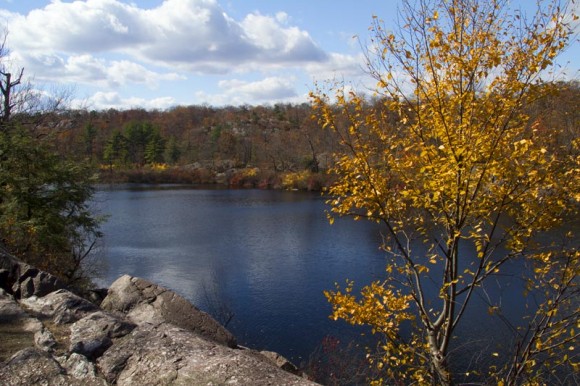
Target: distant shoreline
[235, 178]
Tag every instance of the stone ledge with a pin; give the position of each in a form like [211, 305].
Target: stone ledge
[143, 334]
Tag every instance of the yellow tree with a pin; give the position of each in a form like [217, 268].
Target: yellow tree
[463, 182]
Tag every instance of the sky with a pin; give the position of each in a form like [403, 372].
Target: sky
[156, 54]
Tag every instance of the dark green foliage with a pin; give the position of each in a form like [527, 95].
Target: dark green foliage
[139, 143]
[45, 217]
[89, 137]
[116, 150]
[172, 151]
[154, 148]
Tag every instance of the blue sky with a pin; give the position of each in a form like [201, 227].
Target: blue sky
[158, 54]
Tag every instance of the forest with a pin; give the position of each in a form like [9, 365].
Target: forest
[279, 146]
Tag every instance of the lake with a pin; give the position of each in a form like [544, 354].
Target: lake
[265, 256]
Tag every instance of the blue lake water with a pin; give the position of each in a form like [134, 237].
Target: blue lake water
[267, 257]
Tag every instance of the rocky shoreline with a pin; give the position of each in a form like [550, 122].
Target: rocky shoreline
[135, 333]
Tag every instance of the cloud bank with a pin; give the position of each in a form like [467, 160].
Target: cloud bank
[111, 44]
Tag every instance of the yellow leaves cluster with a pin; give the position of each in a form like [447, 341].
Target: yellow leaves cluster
[380, 306]
[453, 159]
[385, 309]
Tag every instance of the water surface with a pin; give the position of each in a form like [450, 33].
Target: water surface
[265, 255]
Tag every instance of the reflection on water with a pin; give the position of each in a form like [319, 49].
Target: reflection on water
[268, 256]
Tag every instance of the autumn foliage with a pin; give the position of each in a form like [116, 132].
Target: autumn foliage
[463, 182]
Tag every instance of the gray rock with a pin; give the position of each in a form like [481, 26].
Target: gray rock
[33, 366]
[173, 342]
[17, 327]
[44, 283]
[9, 309]
[44, 340]
[23, 280]
[24, 288]
[96, 296]
[281, 362]
[145, 302]
[93, 334]
[165, 354]
[79, 367]
[61, 306]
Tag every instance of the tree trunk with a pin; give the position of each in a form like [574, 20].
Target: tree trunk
[439, 367]
[441, 373]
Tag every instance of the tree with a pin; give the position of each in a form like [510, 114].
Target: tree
[8, 85]
[19, 100]
[88, 137]
[45, 218]
[116, 149]
[155, 148]
[449, 163]
[172, 152]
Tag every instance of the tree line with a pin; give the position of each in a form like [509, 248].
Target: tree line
[276, 140]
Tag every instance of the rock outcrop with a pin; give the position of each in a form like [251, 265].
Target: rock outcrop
[143, 334]
[145, 302]
[24, 280]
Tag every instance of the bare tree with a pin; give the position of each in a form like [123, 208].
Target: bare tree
[19, 97]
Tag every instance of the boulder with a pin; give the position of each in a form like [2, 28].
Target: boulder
[32, 366]
[22, 280]
[281, 362]
[79, 367]
[93, 334]
[44, 339]
[166, 354]
[145, 302]
[62, 306]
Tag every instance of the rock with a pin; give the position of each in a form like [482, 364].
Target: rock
[33, 366]
[150, 335]
[9, 270]
[79, 367]
[281, 362]
[17, 327]
[96, 296]
[145, 302]
[44, 340]
[22, 280]
[45, 283]
[61, 306]
[166, 354]
[93, 334]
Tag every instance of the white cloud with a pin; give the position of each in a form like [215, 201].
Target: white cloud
[339, 67]
[76, 27]
[277, 43]
[112, 100]
[125, 71]
[236, 92]
[114, 45]
[90, 70]
[193, 35]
